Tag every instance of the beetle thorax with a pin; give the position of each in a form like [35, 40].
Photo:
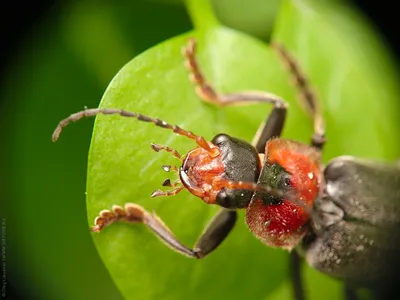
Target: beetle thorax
[293, 168]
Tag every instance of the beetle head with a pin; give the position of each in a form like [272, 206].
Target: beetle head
[216, 179]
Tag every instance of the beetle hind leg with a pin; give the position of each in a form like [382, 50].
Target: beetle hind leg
[210, 239]
[307, 96]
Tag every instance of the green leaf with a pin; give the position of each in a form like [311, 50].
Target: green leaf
[352, 72]
[257, 19]
[122, 168]
[64, 62]
[355, 79]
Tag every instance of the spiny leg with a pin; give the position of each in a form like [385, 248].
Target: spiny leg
[307, 96]
[210, 239]
[273, 125]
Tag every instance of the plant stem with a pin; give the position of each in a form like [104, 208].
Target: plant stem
[201, 14]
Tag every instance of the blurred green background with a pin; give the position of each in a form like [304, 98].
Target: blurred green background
[66, 62]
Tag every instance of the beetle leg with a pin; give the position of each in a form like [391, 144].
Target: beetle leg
[307, 96]
[213, 235]
[296, 276]
[273, 125]
[349, 292]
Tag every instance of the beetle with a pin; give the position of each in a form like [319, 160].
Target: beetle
[333, 215]
[355, 233]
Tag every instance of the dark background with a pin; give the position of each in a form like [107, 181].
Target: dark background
[18, 21]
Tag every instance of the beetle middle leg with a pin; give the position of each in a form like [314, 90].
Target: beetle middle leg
[216, 231]
[307, 96]
[273, 125]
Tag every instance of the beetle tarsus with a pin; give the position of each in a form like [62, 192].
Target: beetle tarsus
[131, 213]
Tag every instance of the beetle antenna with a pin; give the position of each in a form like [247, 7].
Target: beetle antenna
[307, 96]
[201, 141]
[252, 186]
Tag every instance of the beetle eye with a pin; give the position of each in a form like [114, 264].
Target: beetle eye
[279, 178]
[284, 182]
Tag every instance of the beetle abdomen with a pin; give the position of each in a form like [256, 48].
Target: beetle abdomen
[357, 223]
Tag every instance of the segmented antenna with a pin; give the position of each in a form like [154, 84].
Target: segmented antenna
[214, 151]
[306, 94]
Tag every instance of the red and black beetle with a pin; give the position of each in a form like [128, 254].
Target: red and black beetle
[329, 214]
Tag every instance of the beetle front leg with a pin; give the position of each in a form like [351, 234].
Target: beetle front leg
[210, 239]
[273, 125]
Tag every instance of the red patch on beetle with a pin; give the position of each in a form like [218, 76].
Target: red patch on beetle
[283, 225]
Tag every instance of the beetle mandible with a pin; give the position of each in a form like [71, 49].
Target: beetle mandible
[330, 215]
